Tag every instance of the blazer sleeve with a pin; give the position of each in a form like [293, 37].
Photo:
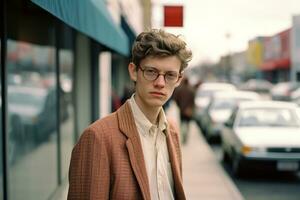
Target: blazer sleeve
[178, 148]
[89, 168]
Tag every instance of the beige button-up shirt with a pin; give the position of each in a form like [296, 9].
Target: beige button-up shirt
[153, 139]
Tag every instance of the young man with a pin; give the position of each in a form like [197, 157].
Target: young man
[134, 153]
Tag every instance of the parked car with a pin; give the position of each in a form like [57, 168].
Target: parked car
[257, 85]
[203, 96]
[35, 109]
[262, 135]
[283, 90]
[15, 131]
[206, 90]
[220, 109]
[295, 96]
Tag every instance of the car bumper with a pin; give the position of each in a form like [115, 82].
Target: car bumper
[274, 162]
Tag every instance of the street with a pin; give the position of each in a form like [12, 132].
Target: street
[262, 186]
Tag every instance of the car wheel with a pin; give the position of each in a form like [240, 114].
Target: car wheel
[225, 156]
[237, 167]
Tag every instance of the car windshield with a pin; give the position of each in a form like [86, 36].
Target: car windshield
[220, 104]
[227, 103]
[282, 117]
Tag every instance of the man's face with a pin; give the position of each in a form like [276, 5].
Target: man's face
[154, 93]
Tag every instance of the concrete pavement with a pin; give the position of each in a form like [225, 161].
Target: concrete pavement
[203, 176]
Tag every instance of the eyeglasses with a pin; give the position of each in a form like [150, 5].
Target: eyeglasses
[151, 74]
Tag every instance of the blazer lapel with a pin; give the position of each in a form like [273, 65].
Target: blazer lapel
[134, 147]
[175, 163]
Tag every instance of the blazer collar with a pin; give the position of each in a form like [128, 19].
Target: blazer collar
[134, 147]
[175, 159]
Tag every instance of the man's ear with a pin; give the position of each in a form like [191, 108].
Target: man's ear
[132, 71]
[179, 80]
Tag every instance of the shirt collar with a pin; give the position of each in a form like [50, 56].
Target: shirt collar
[143, 121]
[162, 120]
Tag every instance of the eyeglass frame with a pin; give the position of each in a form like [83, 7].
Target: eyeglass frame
[179, 74]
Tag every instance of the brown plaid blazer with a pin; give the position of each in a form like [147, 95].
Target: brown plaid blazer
[108, 161]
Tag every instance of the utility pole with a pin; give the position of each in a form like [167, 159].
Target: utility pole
[228, 67]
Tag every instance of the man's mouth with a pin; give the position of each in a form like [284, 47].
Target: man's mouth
[157, 93]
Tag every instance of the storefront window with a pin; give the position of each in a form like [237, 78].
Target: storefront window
[67, 118]
[32, 102]
[1, 129]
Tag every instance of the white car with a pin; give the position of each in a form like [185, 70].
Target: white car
[282, 91]
[257, 85]
[295, 96]
[262, 135]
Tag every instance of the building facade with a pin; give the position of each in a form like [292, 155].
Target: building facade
[60, 64]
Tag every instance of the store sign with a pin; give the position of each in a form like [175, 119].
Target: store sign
[173, 16]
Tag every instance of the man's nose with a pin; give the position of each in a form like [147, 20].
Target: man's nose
[160, 81]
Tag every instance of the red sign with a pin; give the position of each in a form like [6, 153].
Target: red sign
[173, 16]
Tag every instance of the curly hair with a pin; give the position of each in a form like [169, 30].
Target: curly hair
[158, 43]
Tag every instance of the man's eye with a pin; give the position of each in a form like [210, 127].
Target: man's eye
[171, 75]
[151, 71]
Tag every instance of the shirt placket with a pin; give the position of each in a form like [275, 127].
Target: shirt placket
[153, 138]
[160, 175]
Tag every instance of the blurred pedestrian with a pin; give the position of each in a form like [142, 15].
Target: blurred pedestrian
[115, 101]
[184, 96]
[127, 92]
[134, 153]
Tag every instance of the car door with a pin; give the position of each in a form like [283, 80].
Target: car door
[227, 133]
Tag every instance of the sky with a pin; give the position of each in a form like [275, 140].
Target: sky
[208, 23]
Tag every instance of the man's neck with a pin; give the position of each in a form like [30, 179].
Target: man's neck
[152, 116]
[150, 113]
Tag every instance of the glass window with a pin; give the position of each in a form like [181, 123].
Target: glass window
[1, 130]
[67, 118]
[32, 102]
[268, 117]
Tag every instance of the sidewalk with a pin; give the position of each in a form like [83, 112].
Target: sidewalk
[203, 177]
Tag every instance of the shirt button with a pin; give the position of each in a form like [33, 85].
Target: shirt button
[159, 183]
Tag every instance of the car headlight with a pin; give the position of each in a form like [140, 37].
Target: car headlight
[247, 150]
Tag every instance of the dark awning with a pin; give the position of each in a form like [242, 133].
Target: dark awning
[91, 18]
[283, 63]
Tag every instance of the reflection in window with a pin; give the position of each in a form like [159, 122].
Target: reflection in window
[67, 117]
[1, 131]
[31, 96]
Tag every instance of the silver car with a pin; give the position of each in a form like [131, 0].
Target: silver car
[262, 135]
[203, 96]
[220, 109]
